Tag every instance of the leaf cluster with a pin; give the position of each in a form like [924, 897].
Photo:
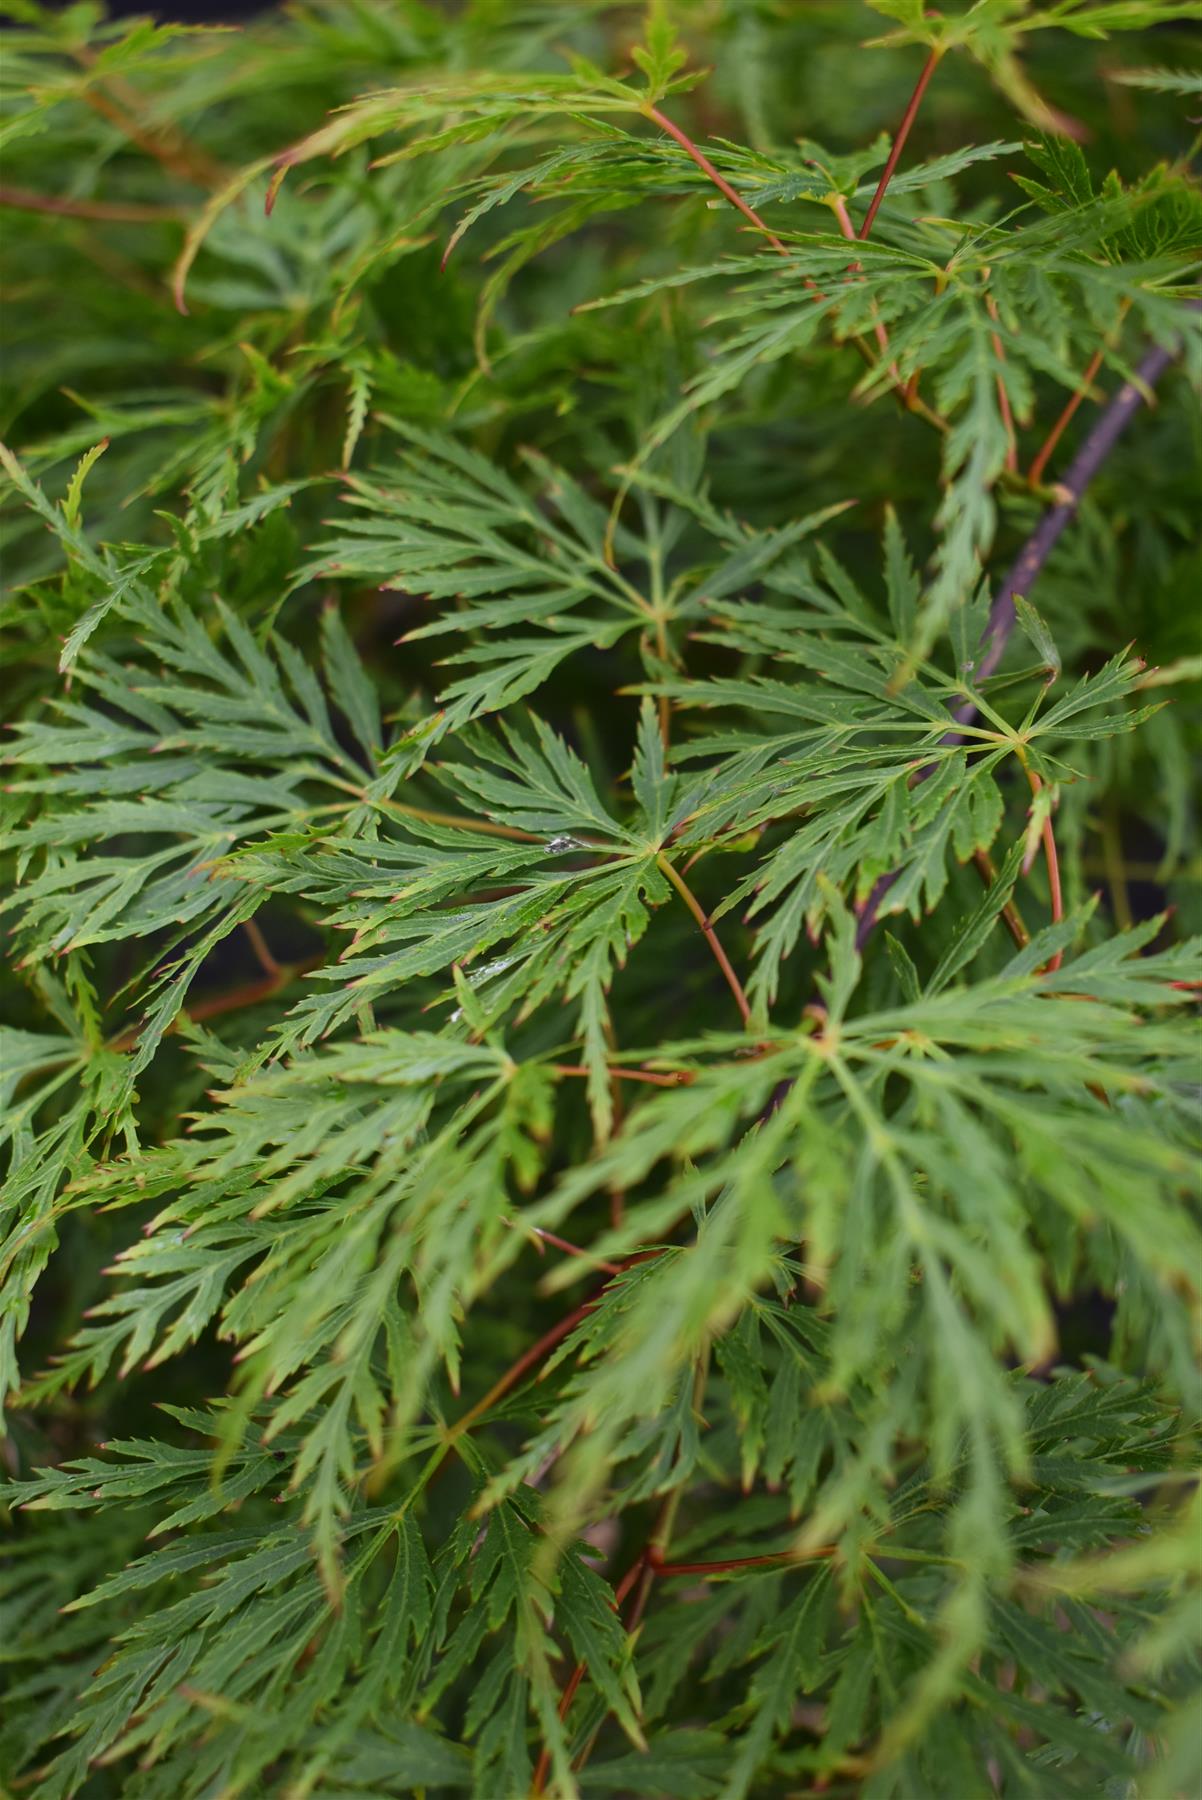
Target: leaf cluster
[601, 1108]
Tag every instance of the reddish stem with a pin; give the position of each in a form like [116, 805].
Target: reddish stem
[513, 1375]
[1040, 463]
[116, 212]
[261, 948]
[543, 1766]
[1010, 915]
[539, 1348]
[248, 994]
[839, 206]
[899, 142]
[711, 937]
[452, 819]
[168, 146]
[570, 1249]
[1003, 398]
[1025, 569]
[720, 182]
[909, 400]
[674, 1078]
[776, 1557]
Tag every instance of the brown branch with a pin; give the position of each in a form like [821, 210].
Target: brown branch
[908, 392]
[120, 102]
[534, 1354]
[111, 211]
[542, 1767]
[710, 935]
[1024, 571]
[653, 1557]
[707, 168]
[248, 994]
[899, 141]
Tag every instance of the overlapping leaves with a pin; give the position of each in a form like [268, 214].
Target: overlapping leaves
[552, 1365]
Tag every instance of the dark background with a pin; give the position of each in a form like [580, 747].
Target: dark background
[187, 12]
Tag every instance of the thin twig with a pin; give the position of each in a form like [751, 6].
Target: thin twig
[249, 993]
[543, 1766]
[652, 1558]
[710, 935]
[116, 212]
[775, 1558]
[672, 1078]
[513, 1374]
[534, 1354]
[909, 391]
[643, 1570]
[570, 1249]
[169, 147]
[452, 819]
[1010, 916]
[1040, 462]
[261, 948]
[720, 182]
[119, 101]
[899, 142]
[1003, 397]
[839, 207]
[1027, 566]
[909, 400]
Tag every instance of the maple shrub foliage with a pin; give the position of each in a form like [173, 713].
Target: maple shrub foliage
[601, 1097]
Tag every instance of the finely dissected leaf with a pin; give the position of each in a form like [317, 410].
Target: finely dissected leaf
[599, 1060]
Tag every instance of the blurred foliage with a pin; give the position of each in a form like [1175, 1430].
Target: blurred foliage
[488, 628]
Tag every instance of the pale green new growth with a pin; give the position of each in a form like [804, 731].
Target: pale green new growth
[521, 1285]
